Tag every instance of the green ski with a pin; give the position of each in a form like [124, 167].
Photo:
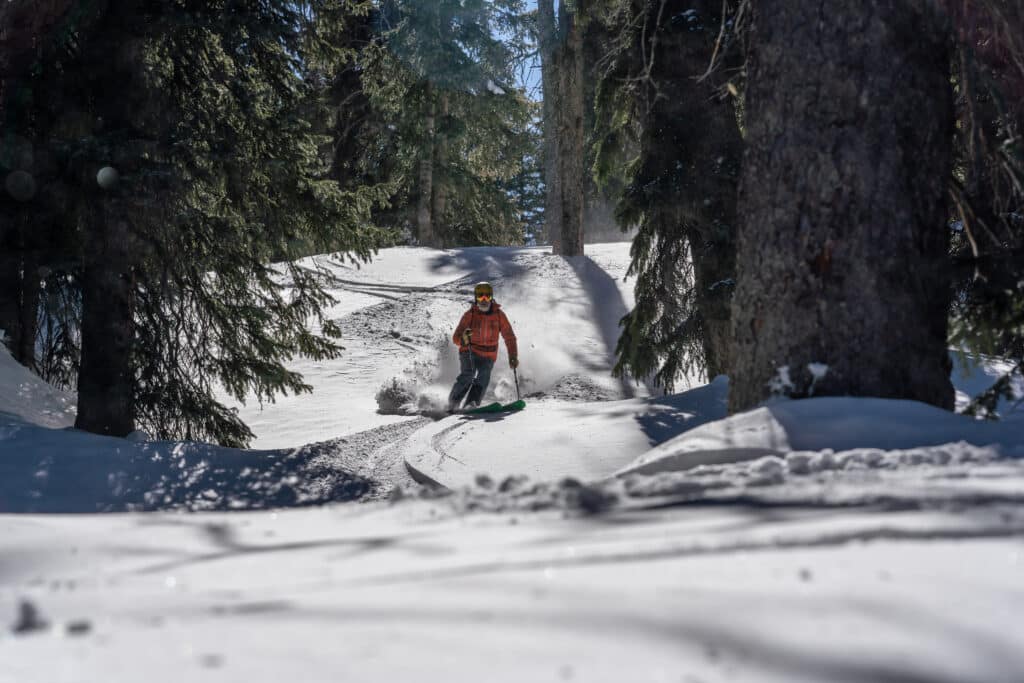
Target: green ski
[496, 407]
[489, 408]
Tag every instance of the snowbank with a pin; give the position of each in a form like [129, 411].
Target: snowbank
[555, 439]
[63, 470]
[818, 424]
[25, 395]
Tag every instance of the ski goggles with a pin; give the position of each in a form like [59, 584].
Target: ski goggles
[484, 297]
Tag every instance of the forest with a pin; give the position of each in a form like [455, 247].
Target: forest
[808, 227]
[512, 341]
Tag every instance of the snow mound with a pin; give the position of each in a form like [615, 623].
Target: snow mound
[957, 474]
[551, 440]
[63, 471]
[27, 396]
[819, 424]
[773, 470]
[396, 397]
[575, 387]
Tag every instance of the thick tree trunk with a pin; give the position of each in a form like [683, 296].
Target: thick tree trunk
[25, 27]
[439, 199]
[105, 377]
[19, 288]
[25, 347]
[571, 165]
[424, 218]
[842, 241]
[10, 288]
[549, 80]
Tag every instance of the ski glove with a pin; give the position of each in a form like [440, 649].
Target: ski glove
[467, 336]
[513, 363]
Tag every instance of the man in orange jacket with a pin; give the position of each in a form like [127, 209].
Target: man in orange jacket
[477, 339]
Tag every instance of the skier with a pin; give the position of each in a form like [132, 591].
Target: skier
[477, 339]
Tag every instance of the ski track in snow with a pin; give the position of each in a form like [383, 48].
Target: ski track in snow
[373, 455]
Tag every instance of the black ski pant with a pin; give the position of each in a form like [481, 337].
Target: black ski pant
[474, 376]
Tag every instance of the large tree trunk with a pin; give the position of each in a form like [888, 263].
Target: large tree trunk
[10, 281]
[19, 293]
[105, 377]
[842, 244]
[28, 327]
[571, 140]
[439, 201]
[549, 80]
[424, 218]
[25, 28]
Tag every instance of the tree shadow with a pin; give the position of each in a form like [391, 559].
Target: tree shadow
[103, 474]
[608, 305]
[589, 613]
[482, 263]
[670, 416]
[227, 546]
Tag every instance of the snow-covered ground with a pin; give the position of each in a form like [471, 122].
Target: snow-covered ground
[398, 314]
[653, 540]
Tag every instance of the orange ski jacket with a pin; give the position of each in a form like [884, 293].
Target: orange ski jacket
[486, 328]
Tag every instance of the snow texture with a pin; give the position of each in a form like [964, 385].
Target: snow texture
[605, 533]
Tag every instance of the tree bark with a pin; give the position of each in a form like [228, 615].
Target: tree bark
[424, 218]
[19, 291]
[10, 282]
[26, 28]
[25, 346]
[23, 25]
[105, 378]
[549, 81]
[842, 241]
[439, 201]
[571, 140]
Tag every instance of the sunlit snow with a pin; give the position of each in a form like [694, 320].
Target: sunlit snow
[831, 539]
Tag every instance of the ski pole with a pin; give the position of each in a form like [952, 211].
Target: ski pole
[472, 369]
[515, 373]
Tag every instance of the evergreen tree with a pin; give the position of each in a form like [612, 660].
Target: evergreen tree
[191, 166]
[443, 82]
[988, 188]
[561, 35]
[527, 189]
[29, 205]
[676, 135]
